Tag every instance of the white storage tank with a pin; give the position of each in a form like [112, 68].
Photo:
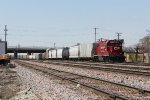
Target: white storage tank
[59, 53]
[74, 51]
[85, 50]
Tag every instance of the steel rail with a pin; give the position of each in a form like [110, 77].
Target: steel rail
[70, 79]
[105, 68]
[115, 96]
[141, 90]
[105, 64]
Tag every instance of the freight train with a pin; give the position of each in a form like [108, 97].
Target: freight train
[107, 50]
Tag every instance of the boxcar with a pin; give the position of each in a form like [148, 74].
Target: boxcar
[74, 52]
[59, 53]
[47, 54]
[53, 54]
[85, 51]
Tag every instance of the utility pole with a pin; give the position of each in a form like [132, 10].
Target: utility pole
[95, 33]
[148, 45]
[5, 32]
[118, 35]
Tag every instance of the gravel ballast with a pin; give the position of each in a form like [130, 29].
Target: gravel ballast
[137, 81]
[47, 87]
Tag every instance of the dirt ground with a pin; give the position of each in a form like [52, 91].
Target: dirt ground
[9, 83]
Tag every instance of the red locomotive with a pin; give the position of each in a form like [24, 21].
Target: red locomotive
[109, 51]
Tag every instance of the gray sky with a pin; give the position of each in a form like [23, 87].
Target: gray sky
[67, 22]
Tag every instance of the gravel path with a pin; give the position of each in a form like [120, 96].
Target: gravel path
[46, 87]
[131, 80]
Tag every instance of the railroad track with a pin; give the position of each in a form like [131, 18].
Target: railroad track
[126, 92]
[128, 69]
[122, 65]
[118, 65]
[102, 63]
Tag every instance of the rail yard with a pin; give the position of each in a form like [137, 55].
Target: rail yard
[75, 50]
[96, 71]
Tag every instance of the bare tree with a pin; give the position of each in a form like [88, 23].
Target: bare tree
[144, 44]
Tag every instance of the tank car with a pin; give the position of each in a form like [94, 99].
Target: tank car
[65, 53]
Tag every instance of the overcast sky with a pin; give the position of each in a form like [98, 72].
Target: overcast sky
[67, 22]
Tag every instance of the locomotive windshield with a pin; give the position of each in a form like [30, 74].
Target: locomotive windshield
[114, 44]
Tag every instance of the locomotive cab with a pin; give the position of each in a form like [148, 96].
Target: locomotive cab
[114, 48]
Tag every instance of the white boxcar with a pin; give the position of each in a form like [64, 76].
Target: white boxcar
[44, 55]
[85, 50]
[74, 51]
[59, 53]
[38, 56]
[24, 56]
[53, 53]
[49, 54]
[31, 56]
